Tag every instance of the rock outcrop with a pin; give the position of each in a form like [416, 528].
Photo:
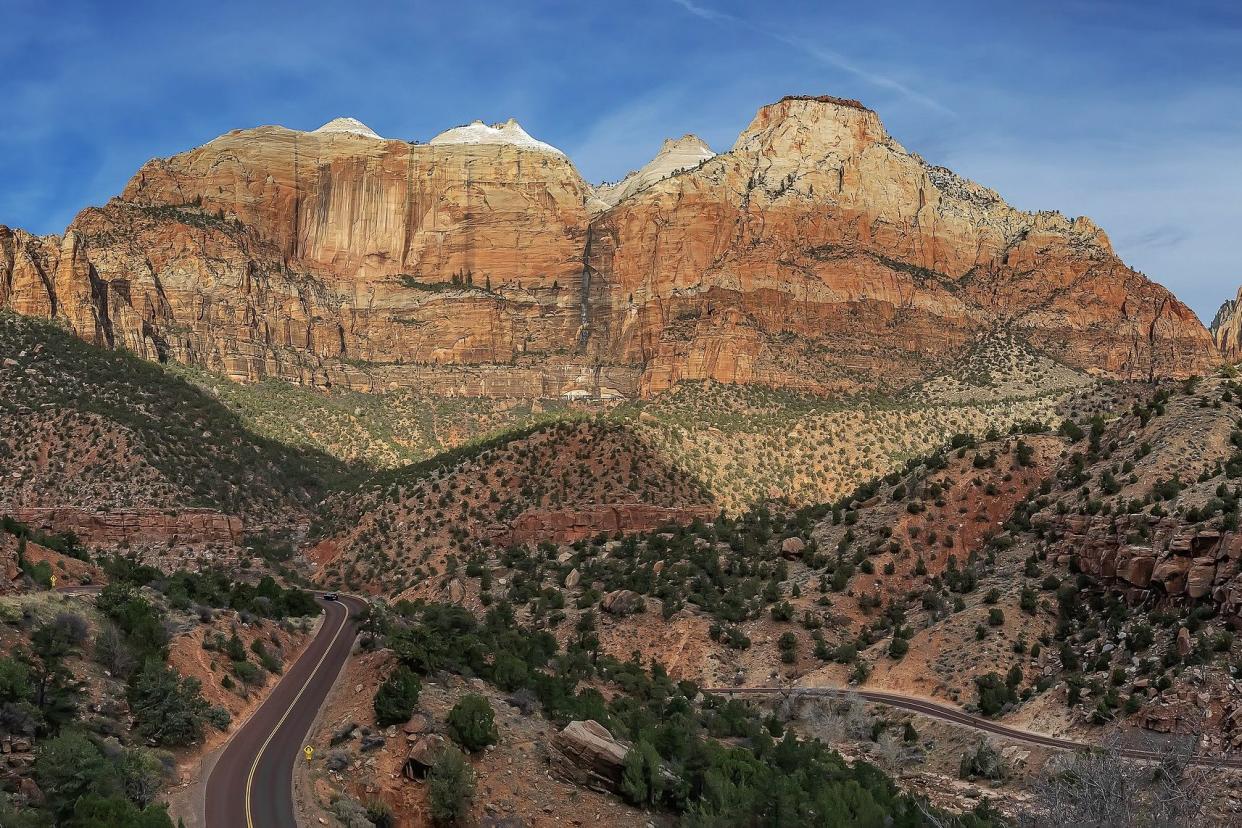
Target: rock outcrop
[1179, 562]
[817, 253]
[818, 250]
[1226, 329]
[143, 526]
[621, 602]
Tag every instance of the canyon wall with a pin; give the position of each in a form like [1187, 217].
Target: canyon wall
[816, 254]
[819, 252]
[1227, 329]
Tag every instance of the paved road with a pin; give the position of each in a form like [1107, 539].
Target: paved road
[251, 784]
[94, 589]
[952, 714]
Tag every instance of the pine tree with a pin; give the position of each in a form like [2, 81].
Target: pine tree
[167, 708]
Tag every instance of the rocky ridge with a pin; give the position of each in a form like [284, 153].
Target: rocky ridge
[816, 254]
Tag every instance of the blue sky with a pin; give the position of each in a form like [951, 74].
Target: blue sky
[1129, 112]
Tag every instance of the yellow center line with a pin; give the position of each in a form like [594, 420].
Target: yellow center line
[255, 765]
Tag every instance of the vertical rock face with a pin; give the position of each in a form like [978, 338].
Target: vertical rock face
[1227, 329]
[817, 254]
[28, 267]
[271, 252]
[353, 207]
[819, 250]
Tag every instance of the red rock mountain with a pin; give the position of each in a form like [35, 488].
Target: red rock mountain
[818, 253]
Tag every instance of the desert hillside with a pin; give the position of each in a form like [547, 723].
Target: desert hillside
[809, 419]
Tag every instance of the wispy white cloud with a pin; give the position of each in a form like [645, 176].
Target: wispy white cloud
[822, 54]
[1159, 236]
[839, 61]
[703, 11]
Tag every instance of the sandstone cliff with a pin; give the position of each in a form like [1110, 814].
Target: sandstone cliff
[819, 252]
[816, 254]
[1227, 329]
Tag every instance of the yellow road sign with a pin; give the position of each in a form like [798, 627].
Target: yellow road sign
[309, 751]
[53, 582]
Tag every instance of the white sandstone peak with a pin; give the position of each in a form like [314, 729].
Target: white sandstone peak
[688, 147]
[675, 155]
[349, 126]
[509, 132]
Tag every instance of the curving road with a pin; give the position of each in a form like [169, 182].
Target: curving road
[959, 717]
[251, 783]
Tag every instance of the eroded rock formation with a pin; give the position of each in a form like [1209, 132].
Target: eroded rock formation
[140, 527]
[1175, 561]
[820, 236]
[818, 253]
[684, 153]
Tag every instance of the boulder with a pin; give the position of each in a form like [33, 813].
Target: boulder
[1160, 719]
[1184, 644]
[1233, 546]
[792, 548]
[456, 591]
[1137, 570]
[621, 602]
[422, 755]
[585, 753]
[573, 578]
[418, 724]
[1171, 574]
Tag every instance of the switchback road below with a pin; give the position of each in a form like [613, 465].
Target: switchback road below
[953, 715]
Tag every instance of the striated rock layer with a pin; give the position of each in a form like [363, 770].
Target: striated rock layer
[818, 250]
[817, 254]
[142, 527]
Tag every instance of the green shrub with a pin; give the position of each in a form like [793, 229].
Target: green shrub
[641, 780]
[168, 709]
[451, 787]
[994, 694]
[396, 697]
[472, 722]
